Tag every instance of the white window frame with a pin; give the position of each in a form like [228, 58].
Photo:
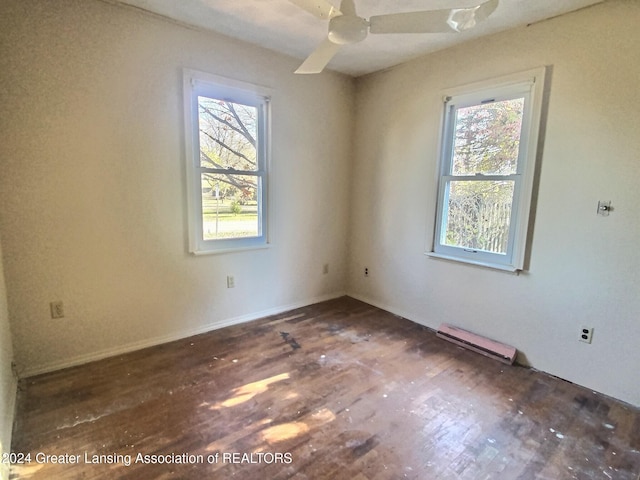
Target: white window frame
[530, 85]
[196, 83]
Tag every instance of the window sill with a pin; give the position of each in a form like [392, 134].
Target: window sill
[494, 266]
[199, 253]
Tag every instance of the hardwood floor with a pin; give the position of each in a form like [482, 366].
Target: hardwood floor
[337, 390]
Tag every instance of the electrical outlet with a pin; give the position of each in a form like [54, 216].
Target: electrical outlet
[231, 281]
[325, 269]
[586, 334]
[366, 271]
[57, 309]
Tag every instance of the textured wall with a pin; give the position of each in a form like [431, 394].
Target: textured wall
[584, 268]
[92, 192]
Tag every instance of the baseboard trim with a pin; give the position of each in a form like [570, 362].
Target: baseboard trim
[152, 342]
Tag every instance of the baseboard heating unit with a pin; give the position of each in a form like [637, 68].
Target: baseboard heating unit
[485, 346]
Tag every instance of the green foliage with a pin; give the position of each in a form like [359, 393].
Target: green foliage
[235, 207]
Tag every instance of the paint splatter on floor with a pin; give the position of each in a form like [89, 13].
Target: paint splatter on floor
[290, 340]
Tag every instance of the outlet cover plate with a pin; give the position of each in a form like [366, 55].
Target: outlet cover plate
[57, 309]
[586, 334]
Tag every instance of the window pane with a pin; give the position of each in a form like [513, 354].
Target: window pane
[230, 206]
[227, 134]
[478, 215]
[487, 138]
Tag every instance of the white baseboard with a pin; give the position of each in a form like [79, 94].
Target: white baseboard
[151, 342]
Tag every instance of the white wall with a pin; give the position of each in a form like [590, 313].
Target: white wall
[8, 382]
[584, 269]
[92, 191]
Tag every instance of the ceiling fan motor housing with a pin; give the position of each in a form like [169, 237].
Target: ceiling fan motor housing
[347, 29]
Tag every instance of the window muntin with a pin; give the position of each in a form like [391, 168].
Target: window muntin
[227, 146]
[488, 157]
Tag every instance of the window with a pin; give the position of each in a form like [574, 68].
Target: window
[227, 146]
[488, 155]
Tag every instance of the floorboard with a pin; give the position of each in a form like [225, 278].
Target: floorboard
[336, 390]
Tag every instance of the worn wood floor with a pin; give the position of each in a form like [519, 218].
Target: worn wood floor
[337, 390]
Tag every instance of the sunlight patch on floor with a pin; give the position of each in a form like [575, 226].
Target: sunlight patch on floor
[285, 431]
[247, 392]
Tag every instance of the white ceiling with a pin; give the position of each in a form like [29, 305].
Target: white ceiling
[281, 26]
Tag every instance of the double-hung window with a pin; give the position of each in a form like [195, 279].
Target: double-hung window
[487, 165]
[227, 143]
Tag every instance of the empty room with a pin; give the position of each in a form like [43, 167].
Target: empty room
[315, 239]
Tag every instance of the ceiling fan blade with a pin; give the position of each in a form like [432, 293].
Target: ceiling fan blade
[318, 8]
[322, 55]
[348, 7]
[432, 21]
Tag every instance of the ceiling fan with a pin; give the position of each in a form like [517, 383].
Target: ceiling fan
[346, 27]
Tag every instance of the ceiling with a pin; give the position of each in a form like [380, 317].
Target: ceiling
[282, 26]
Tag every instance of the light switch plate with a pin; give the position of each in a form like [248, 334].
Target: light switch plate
[604, 207]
